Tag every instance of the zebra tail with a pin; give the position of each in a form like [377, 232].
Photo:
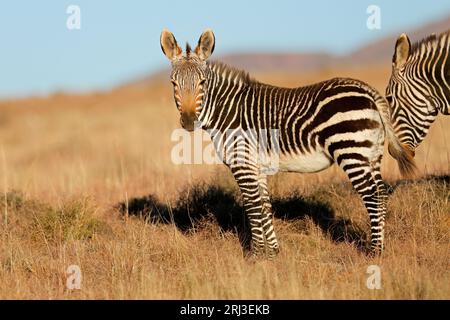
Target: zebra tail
[401, 153]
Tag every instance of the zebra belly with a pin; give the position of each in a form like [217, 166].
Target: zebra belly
[311, 162]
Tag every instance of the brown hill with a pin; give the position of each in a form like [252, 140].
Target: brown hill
[378, 52]
[279, 62]
[381, 51]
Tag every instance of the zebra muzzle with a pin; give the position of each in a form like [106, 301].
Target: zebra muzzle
[188, 120]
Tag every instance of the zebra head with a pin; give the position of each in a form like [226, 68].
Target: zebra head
[189, 74]
[412, 105]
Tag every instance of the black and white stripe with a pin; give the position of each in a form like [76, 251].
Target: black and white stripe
[419, 87]
[341, 121]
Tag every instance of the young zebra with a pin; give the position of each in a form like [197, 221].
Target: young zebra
[340, 120]
[419, 87]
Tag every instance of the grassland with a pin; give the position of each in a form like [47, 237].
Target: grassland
[87, 180]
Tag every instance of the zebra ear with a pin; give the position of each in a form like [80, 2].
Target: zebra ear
[169, 45]
[401, 54]
[206, 44]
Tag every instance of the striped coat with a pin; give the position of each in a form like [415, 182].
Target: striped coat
[306, 129]
[419, 87]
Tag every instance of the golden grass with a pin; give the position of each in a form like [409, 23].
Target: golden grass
[73, 159]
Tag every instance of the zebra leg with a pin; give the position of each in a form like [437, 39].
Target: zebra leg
[246, 176]
[381, 192]
[366, 180]
[267, 219]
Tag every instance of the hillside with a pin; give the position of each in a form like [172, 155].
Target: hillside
[378, 52]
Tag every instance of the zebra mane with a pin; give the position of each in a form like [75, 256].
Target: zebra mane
[188, 50]
[430, 41]
[227, 70]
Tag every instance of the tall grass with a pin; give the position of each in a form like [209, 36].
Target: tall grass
[96, 188]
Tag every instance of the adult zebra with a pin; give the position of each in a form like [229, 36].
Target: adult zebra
[340, 120]
[419, 87]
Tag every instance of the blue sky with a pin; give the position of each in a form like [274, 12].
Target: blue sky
[119, 40]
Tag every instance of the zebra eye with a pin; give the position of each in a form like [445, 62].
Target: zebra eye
[174, 82]
[201, 82]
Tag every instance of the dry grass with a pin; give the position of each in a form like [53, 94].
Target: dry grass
[83, 167]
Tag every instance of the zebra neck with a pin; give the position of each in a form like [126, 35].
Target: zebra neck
[431, 86]
[430, 70]
[440, 82]
[445, 109]
[224, 89]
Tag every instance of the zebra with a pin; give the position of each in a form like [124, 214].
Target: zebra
[339, 120]
[419, 86]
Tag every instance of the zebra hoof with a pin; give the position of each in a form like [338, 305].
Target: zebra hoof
[262, 253]
[376, 249]
[268, 254]
[254, 255]
[273, 252]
